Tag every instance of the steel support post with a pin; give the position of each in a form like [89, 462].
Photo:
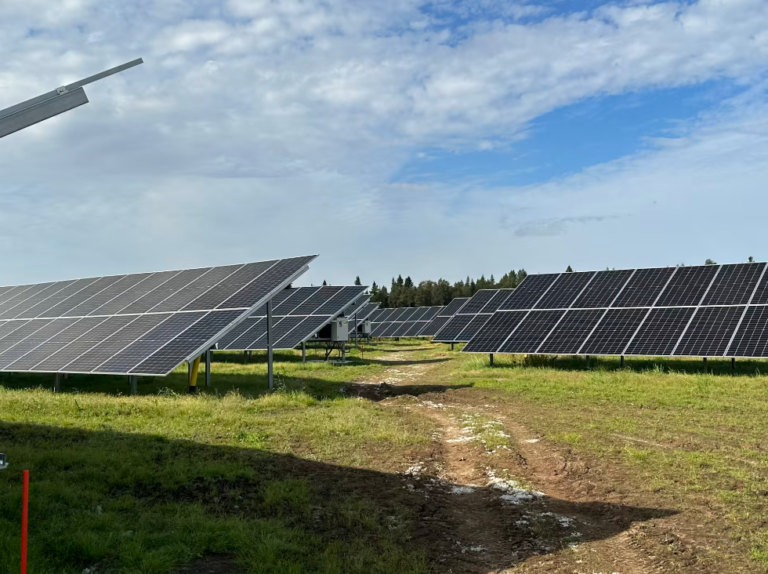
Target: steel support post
[622, 361]
[303, 351]
[270, 374]
[208, 368]
[192, 368]
[491, 359]
[733, 363]
[57, 383]
[133, 381]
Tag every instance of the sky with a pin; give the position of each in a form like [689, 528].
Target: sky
[439, 138]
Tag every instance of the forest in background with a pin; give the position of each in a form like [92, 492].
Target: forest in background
[405, 293]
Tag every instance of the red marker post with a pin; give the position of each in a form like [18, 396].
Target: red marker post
[24, 521]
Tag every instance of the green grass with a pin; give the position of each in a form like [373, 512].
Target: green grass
[296, 481]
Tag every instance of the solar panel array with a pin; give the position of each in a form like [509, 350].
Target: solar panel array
[139, 324]
[443, 316]
[699, 311]
[472, 316]
[402, 321]
[358, 316]
[297, 315]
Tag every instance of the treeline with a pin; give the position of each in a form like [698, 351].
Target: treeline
[404, 293]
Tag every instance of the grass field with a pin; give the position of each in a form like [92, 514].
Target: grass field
[310, 478]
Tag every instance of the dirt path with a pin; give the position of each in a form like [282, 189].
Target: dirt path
[497, 499]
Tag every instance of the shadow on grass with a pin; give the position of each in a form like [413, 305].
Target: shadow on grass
[381, 391]
[139, 503]
[713, 366]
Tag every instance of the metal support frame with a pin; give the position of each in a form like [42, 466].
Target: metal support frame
[270, 373]
[57, 383]
[587, 361]
[193, 367]
[452, 346]
[343, 352]
[622, 361]
[53, 103]
[303, 351]
[705, 360]
[733, 363]
[491, 359]
[133, 381]
[208, 368]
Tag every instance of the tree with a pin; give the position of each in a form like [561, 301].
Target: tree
[357, 280]
[751, 259]
[710, 262]
[569, 270]
[324, 283]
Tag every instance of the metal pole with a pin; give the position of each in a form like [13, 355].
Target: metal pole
[622, 361]
[193, 367]
[134, 382]
[303, 351]
[270, 374]
[587, 361]
[451, 346]
[343, 352]
[57, 383]
[491, 359]
[733, 363]
[24, 520]
[208, 368]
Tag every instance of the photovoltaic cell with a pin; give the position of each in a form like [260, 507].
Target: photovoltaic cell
[751, 339]
[453, 307]
[602, 290]
[529, 291]
[709, 332]
[660, 332]
[497, 301]
[452, 329]
[687, 286]
[473, 327]
[531, 332]
[644, 287]
[495, 331]
[478, 301]
[734, 284]
[569, 286]
[613, 332]
[571, 332]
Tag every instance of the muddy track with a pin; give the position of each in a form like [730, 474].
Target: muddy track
[516, 507]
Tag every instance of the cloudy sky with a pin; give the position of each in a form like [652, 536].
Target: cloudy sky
[439, 138]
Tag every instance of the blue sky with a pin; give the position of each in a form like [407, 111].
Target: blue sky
[440, 138]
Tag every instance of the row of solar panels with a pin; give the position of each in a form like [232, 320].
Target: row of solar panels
[150, 323]
[699, 311]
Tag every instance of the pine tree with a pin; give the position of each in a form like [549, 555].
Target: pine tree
[324, 283]
[357, 280]
[751, 259]
[569, 270]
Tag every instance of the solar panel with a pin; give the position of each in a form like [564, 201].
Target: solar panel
[500, 326]
[142, 324]
[402, 322]
[660, 331]
[531, 332]
[572, 330]
[527, 294]
[613, 332]
[706, 310]
[472, 316]
[709, 332]
[569, 287]
[301, 313]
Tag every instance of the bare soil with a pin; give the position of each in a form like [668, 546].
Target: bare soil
[526, 506]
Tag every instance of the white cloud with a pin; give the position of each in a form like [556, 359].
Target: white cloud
[274, 128]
